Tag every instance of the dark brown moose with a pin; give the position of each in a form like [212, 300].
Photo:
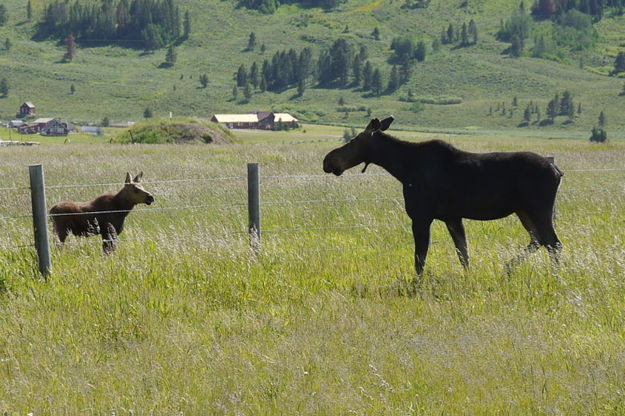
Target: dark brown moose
[104, 215]
[444, 183]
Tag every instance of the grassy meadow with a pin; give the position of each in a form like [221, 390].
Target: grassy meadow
[184, 318]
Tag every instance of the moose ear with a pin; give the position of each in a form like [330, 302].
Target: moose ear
[373, 125]
[128, 178]
[137, 178]
[386, 123]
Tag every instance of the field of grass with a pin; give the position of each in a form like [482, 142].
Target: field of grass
[120, 83]
[185, 318]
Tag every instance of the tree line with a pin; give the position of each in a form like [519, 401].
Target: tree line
[342, 65]
[150, 24]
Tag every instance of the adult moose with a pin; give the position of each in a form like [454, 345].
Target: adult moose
[104, 215]
[444, 183]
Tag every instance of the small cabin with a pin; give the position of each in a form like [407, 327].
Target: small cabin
[27, 109]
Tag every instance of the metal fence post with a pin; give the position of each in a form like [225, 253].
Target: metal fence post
[253, 204]
[552, 159]
[40, 218]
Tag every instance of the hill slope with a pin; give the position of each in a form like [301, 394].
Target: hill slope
[119, 83]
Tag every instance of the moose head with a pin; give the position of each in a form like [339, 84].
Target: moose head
[357, 150]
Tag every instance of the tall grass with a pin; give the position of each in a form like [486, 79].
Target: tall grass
[184, 317]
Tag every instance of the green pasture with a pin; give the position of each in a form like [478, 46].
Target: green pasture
[185, 318]
[121, 82]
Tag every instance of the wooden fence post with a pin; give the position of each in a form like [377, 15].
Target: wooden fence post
[40, 218]
[552, 159]
[253, 204]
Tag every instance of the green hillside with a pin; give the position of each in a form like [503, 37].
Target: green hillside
[120, 83]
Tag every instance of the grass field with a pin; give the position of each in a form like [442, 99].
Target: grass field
[185, 318]
[120, 83]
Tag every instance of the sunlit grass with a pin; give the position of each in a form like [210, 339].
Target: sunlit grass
[325, 319]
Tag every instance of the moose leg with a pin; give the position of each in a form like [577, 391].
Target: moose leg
[533, 245]
[456, 229]
[421, 234]
[109, 237]
[547, 237]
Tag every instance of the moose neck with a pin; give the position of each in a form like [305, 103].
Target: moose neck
[122, 203]
[391, 154]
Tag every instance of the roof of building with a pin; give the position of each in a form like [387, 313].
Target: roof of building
[284, 117]
[43, 120]
[236, 118]
[29, 104]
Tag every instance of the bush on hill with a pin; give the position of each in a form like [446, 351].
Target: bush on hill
[160, 130]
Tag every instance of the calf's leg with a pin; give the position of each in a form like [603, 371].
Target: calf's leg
[109, 238]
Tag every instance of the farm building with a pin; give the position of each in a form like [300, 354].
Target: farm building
[258, 120]
[46, 126]
[27, 109]
[55, 127]
[13, 124]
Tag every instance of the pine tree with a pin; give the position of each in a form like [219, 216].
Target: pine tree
[29, 10]
[552, 110]
[393, 82]
[376, 82]
[376, 33]
[4, 17]
[147, 113]
[235, 92]
[601, 119]
[254, 76]
[70, 48]
[72, 89]
[171, 56]
[241, 76]
[204, 80]
[187, 25]
[619, 63]
[4, 87]
[247, 92]
[301, 87]
[357, 70]
[251, 43]
[367, 74]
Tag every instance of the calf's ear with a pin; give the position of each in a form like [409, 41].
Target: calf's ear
[128, 179]
[137, 178]
[386, 123]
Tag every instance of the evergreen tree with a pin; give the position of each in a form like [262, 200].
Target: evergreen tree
[301, 87]
[376, 82]
[464, 35]
[473, 31]
[147, 113]
[70, 48]
[601, 119]
[235, 92]
[393, 82]
[204, 80]
[254, 76]
[247, 92]
[619, 63]
[527, 114]
[187, 25]
[251, 43]
[171, 56]
[357, 70]
[8, 44]
[4, 87]
[72, 89]
[263, 83]
[29, 10]
[451, 37]
[241, 76]
[367, 75]
[376, 33]
[552, 110]
[4, 17]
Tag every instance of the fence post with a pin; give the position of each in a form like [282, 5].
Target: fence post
[552, 159]
[253, 204]
[40, 218]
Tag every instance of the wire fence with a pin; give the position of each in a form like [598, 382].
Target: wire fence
[351, 199]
